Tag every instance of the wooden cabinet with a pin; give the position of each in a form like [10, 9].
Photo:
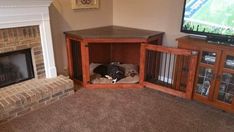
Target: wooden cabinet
[214, 83]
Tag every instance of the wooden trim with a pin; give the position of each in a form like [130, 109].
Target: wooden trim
[117, 40]
[179, 66]
[228, 70]
[214, 80]
[165, 89]
[110, 40]
[69, 58]
[200, 97]
[191, 76]
[195, 43]
[225, 54]
[78, 82]
[73, 38]
[218, 81]
[176, 51]
[207, 65]
[157, 38]
[85, 62]
[142, 63]
[232, 105]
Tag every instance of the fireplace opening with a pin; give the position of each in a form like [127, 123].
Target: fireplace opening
[15, 67]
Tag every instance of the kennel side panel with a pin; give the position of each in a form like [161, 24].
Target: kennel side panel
[69, 57]
[75, 60]
[125, 53]
[99, 53]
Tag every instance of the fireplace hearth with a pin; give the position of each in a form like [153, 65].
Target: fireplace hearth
[15, 67]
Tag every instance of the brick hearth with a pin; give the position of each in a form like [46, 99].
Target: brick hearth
[21, 98]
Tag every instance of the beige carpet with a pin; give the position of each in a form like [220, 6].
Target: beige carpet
[126, 110]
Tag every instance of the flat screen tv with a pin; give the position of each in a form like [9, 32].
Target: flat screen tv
[211, 18]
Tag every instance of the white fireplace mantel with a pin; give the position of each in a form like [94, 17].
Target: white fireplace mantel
[19, 13]
[25, 3]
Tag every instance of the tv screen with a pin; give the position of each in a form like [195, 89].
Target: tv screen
[208, 17]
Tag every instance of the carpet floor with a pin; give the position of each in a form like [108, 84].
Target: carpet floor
[123, 110]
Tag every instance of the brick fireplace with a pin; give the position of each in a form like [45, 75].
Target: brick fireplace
[25, 25]
[20, 38]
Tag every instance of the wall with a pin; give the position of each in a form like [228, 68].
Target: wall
[162, 15]
[63, 18]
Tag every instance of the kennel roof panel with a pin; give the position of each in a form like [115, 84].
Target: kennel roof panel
[114, 32]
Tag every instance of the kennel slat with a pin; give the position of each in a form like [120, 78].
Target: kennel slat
[175, 75]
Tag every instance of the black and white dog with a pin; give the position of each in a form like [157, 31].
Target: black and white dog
[110, 71]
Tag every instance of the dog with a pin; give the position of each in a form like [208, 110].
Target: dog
[110, 71]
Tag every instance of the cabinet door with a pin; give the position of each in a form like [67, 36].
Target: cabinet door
[206, 74]
[169, 70]
[224, 93]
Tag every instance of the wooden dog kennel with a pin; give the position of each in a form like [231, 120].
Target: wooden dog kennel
[131, 46]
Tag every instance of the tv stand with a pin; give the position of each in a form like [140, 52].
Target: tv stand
[221, 40]
[215, 72]
[193, 36]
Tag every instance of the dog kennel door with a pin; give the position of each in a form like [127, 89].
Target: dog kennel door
[169, 70]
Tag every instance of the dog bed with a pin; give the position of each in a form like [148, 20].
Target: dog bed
[131, 73]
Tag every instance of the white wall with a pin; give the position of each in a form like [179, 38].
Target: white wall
[162, 15]
[63, 18]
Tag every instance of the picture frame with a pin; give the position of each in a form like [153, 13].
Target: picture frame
[85, 4]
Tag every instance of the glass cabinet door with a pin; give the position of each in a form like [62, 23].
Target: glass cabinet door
[229, 62]
[226, 88]
[226, 85]
[205, 77]
[206, 72]
[208, 57]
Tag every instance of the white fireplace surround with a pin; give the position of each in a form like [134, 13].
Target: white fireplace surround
[20, 13]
